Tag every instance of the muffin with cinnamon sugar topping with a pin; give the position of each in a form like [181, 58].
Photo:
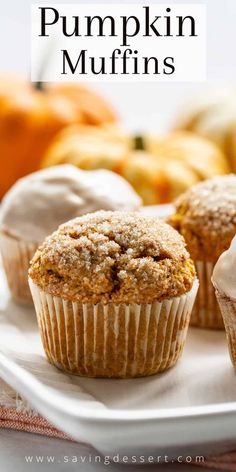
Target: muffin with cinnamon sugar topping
[206, 216]
[113, 294]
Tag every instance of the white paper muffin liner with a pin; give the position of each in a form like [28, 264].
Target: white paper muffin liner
[228, 310]
[16, 256]
[206, 312]
[113, 340]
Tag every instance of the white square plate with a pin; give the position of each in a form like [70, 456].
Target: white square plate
[190, 409]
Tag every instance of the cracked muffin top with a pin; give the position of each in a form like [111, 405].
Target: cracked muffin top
[206, 217]
[113, 257]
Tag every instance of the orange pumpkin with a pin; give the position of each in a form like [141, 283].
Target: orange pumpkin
[30, 119]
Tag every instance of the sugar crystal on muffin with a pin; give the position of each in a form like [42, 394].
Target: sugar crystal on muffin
[114, 257]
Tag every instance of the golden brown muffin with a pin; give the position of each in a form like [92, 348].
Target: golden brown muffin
[118, 276]
[39, 202]
[89, 148]
[212, 114]
[113, 257]
[206, 217]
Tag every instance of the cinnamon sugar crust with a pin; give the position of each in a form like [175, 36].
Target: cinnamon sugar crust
[113, 257]
[206, 217]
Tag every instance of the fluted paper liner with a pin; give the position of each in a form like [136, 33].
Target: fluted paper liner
[206, 312]
[113, 340]
[228, 310]
[16, 256]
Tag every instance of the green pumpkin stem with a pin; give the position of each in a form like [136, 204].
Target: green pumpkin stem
[139, 143]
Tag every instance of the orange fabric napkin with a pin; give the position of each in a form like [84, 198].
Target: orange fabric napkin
[24, 421]
[225, 462]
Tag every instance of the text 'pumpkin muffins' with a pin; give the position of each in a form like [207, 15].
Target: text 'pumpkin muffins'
[38, 203]
[113, 294]
[206, 217]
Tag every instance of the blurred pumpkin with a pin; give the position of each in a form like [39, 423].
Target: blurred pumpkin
[157, 180]
[145, 175]
[90, 147]
[199, 155]
[31, 118]
[167, 165]
[212, 114]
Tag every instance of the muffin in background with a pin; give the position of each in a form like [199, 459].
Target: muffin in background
[224, 281]
[206, 216]
[38, 203]
[212, 114]
[113, 293]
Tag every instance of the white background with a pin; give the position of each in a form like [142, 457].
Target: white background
[139, 105]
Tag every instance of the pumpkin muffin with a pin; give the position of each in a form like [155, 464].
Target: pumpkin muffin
[38, 203]
[206, 217]
[113, 294]
[224, 281]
